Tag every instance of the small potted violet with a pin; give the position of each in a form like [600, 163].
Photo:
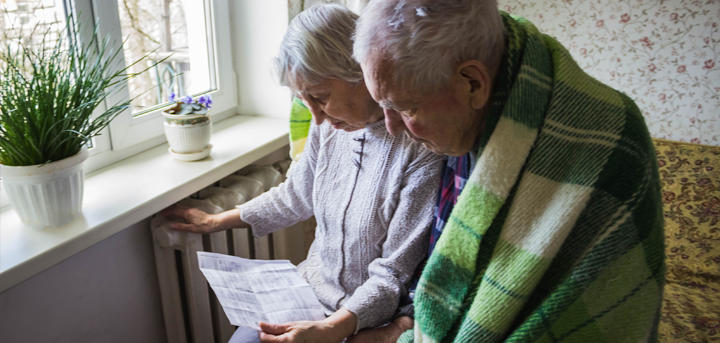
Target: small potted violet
[188, 127]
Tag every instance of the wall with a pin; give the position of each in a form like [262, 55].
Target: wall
[662, 53]
[107, 293]
[297, 6]
[256, 31]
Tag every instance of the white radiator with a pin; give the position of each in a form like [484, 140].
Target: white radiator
[190, 309]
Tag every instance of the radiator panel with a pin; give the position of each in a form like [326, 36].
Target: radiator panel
[202, 319]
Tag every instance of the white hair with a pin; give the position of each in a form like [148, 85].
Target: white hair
[424, 40]
[318, 46]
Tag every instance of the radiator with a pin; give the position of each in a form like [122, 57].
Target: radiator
[191, 312]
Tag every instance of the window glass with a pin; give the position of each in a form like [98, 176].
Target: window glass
[174, 30]
[29, 20]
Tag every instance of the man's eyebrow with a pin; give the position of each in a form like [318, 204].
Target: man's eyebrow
[399, 106]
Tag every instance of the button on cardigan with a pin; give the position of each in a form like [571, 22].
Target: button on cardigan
[372, 195]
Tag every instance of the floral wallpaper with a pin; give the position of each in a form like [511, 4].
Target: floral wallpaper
[662, 53]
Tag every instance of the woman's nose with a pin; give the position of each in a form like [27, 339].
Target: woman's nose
[393, 122]
[318, 114]
[319, 118]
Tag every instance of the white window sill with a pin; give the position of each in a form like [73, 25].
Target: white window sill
[125, 192]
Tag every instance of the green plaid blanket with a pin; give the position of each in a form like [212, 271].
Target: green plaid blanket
[557, 236]
[300, 118]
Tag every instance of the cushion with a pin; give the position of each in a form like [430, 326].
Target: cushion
[690, 177]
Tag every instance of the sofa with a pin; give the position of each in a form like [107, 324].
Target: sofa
[690, 177]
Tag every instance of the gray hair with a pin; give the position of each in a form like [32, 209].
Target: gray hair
[424, 40]
[318, 46]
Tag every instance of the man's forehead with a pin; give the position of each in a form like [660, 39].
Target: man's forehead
[374, 80]
[383, 86]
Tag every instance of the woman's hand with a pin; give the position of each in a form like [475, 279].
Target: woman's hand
[197, 220]
[386, 334]
[201, 222]
[332, 329]
[297, 332]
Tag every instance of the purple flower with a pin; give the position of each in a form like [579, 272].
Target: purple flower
[203, 100]
[209, 101]
[172, 97]
[187, 99]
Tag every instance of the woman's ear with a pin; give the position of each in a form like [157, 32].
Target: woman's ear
[477, 82]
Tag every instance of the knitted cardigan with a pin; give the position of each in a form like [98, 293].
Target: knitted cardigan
[558, 234]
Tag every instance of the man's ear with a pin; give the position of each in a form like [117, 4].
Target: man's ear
[477, 82]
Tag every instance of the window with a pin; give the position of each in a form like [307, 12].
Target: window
[185, 33]
[173, 32]
[21, 19]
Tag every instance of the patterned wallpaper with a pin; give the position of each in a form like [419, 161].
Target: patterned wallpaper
[662, 53]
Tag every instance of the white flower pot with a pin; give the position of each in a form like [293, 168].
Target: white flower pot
[185, 135]
[46, 196]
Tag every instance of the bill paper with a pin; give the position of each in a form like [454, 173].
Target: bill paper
[253, 291]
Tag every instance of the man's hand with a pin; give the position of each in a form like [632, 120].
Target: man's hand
[197, 220]
[332, 329]
[386, 334]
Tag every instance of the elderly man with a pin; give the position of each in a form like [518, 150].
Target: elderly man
[550, 208]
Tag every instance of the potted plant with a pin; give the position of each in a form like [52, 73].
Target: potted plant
[188, 127]
[49, 89]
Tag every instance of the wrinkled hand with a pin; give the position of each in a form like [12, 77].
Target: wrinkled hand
[197, 220]
[298, 332]
[386, 334]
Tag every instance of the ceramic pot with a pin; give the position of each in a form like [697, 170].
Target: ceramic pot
[46, 196]
[187, 134]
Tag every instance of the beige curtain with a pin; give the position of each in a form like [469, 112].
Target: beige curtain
[297, 6]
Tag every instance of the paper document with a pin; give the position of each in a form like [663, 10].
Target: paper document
[251, 291]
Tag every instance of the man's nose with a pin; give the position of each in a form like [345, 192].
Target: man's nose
[393, 122]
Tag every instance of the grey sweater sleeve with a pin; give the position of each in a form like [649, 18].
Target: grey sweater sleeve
[291, 201]
[376, 301]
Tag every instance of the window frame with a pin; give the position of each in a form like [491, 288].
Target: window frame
[127, 134]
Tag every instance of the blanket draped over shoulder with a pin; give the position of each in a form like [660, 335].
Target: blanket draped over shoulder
[557, 236]
[300, 118]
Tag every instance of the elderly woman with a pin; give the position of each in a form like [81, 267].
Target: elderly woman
[371, 193]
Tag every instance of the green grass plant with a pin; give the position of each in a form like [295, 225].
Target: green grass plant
[49, 90]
